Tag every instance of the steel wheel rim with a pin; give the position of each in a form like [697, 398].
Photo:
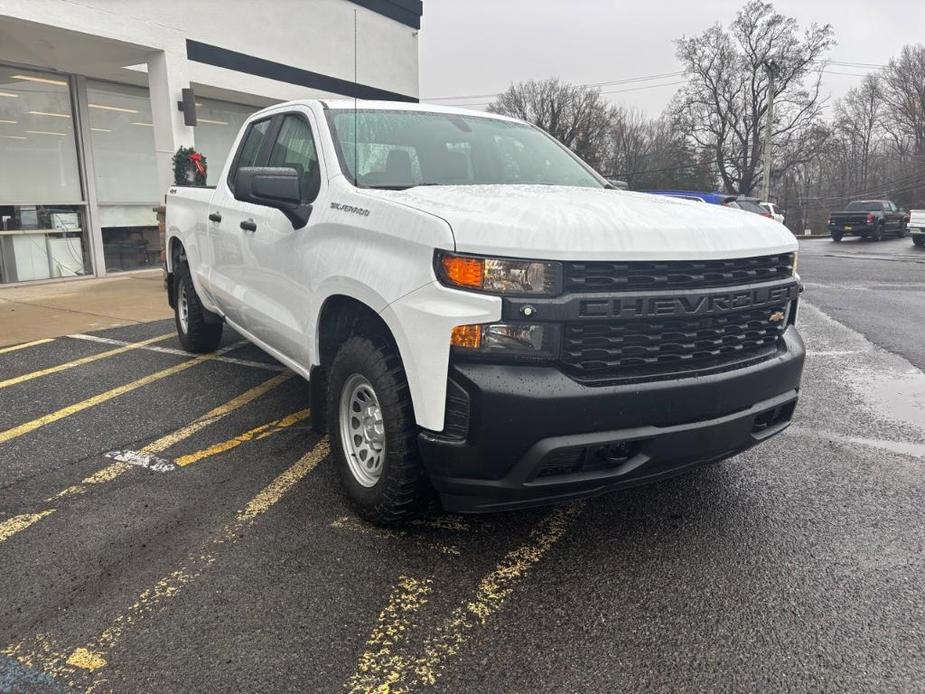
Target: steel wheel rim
[183, 308]
[362, 431]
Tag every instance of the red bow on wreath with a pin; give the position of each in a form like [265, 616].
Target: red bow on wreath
[196, 158]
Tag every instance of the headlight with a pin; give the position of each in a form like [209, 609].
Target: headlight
[537, 340]
[499, 275]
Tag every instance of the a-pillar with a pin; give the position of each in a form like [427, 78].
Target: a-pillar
[166, 78]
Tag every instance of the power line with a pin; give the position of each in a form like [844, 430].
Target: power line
[626, 80]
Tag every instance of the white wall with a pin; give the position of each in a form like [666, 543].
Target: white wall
[314, 35]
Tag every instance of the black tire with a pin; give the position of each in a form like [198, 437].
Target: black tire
[401, 490]
[836, 236]
[918, 239]
[201, 332]
[901, 231]
[878, 233]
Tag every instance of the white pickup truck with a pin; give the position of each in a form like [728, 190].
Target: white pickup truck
[917, 226]
[480, 314]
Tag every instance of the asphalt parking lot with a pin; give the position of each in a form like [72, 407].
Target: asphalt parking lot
[216, 553]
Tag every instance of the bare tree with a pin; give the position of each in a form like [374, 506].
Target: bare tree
[575, 115]
[655, 154]
[858, 121]
[904, 92]
[723, 106]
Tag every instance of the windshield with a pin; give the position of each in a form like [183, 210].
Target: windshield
[403, 149]
[864, 206]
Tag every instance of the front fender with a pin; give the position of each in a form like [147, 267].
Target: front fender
[422, 323]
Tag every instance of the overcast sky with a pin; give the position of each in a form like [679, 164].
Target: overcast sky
[478, 47]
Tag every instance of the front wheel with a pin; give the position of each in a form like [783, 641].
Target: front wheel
[373, 431]
[901, 231]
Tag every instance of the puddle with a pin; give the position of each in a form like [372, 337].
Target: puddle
[899, 397]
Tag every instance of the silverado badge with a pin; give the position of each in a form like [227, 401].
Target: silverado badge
[776, 317]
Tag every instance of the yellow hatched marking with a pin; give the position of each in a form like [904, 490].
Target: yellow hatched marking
[80, 362]
[391, 628]
[110, 472]
[17, 431]
[379, 676]
[24, 345]
[195, 565]
[254, 434]
[13, 525]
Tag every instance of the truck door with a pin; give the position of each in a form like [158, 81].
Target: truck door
[226, 216]
[275, 254]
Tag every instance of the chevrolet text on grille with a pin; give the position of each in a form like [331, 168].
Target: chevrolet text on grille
[638, 307]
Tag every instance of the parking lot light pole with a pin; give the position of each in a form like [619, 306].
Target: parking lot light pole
[773, 70]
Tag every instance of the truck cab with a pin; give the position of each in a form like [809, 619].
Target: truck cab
[480, 316]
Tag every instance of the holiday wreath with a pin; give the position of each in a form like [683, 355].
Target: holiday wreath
[189, 167]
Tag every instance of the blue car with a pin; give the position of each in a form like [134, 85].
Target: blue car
[711, 198]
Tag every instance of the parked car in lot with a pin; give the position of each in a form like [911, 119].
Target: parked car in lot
[917, 226]
[776, 213]
[711, 198]
[868, 218]
[749, 205]
[478, 312]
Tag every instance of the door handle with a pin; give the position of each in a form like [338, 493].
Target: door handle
[249, 225]
[215, 217]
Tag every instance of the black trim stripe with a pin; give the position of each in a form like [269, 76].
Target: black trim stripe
[408, 12]
[241, 62]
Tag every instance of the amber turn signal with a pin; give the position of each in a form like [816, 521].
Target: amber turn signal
[465, 272]
[467, 336]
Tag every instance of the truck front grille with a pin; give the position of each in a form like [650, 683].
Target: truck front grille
[597, 276]
[665, 347]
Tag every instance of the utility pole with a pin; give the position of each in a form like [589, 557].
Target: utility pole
[773, 70]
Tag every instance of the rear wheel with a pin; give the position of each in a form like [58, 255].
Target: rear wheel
[918, 239]
[836, 236]
[199, 330]
[373, 431]
[878, 233]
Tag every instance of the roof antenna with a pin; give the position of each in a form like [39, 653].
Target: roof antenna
[356, 154]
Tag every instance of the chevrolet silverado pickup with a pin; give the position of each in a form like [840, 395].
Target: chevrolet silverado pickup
[868, 218]
[482, 319]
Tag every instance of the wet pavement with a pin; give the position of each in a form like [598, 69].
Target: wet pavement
[217, 553]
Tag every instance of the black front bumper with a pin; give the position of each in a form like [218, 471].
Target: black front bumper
[535, 436]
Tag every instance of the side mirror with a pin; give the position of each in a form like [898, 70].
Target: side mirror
[277, 187]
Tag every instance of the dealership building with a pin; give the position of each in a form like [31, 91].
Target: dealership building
[90, 119]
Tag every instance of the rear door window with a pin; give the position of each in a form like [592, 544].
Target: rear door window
[250, 148]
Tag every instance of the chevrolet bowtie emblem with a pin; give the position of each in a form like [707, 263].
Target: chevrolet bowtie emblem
[776, 317]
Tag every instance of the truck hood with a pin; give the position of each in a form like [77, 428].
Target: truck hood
[562, 223]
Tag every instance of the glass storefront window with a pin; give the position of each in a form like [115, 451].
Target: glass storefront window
[218, 125]
[40, 242]
[122, 141]
[43, 229]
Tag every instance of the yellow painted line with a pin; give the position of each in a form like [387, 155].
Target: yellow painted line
[254, 434]
[110, 472]
[24, 345]
[392, 626]
[93, 656]
[13, 525]
[80, 362]
[22, 429]
[402, 673]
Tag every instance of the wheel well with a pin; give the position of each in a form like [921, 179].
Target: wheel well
[340, 318]
[177, 252]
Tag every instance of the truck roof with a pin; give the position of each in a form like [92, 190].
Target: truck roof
[337, 104]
